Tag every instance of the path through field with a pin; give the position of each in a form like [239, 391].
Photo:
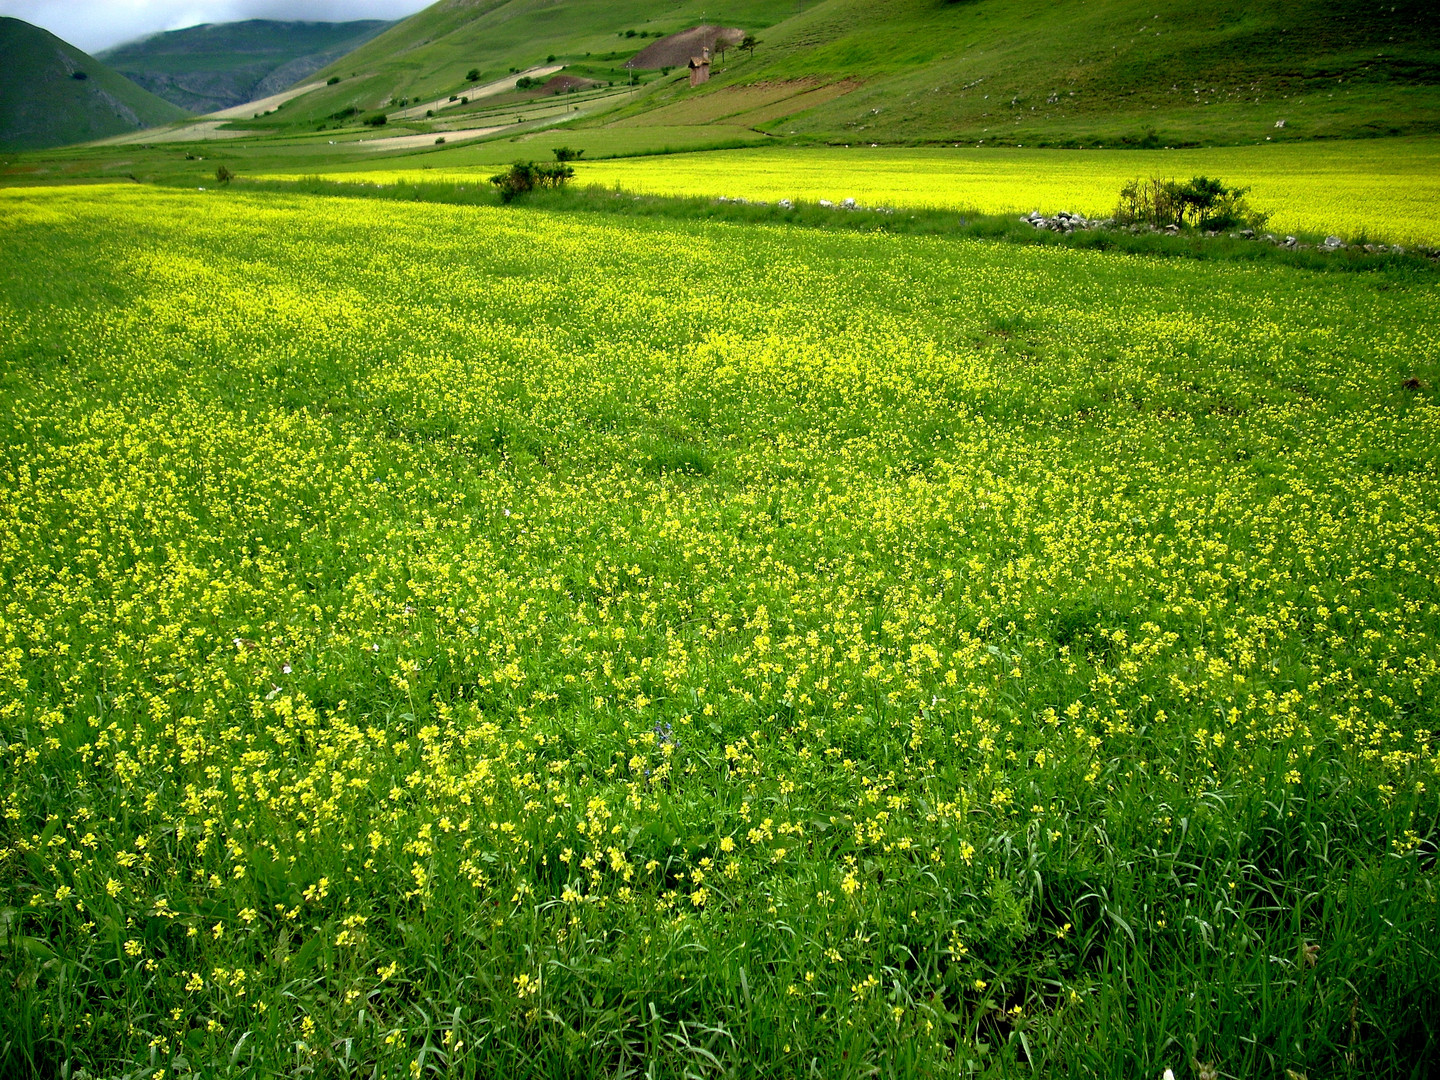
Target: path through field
[490, 89]
[410, 142]
[263, 105]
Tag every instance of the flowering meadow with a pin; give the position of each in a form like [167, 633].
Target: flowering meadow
[444, 641]
[1385, 189]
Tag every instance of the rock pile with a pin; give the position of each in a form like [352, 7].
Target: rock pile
[1064, 221]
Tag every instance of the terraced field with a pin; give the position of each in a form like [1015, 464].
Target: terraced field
[465, 641]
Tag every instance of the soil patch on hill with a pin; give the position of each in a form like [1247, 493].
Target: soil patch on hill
[677, 49]
[564, 84]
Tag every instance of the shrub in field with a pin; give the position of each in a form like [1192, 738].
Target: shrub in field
[1200, 202]
[525, 82]
[223, 175]
[526, 176]
[378, 119]
[565, 153]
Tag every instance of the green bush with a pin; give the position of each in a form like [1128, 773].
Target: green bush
[526, 176]
[378, 119]
[473, 75]
[565, 153]
[332, 80]
[525, 82]
[223, 175]
[1200, 203]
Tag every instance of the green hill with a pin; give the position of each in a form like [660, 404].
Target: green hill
[216, 66]
[430, 54]
[1079, 71]
[52, 94]
[1051, 72]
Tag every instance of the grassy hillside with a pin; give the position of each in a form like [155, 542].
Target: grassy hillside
[1036, 72]
[431, 53]
[205, 68]
[1081, 73]
[52, 94]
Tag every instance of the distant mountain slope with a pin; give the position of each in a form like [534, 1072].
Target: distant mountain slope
[432, 52]
[216, 66]
[52, 94]
[1062, 71]
[1029, 72]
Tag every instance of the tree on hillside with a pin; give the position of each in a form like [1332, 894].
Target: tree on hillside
[748, 43]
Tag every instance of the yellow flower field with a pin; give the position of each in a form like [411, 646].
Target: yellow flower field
[1387, 189]
[480, 641]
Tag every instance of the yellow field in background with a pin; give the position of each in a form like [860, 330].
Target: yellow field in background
[1385, 188]
[1388, 188]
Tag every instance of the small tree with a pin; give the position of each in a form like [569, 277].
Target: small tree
[473, 75]
[378, 119]
[524, 177]
[332, 80]
[748, 43]
[1201, 203]
[565, 153]
[223, 175]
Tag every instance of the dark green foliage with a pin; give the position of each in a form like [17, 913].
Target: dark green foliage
[473, 75]
[565, 153]
[345, 113]
[223, 175]
[1200, 203]
[378, 119]
[525, 82]
[332, 80]
[527, 176]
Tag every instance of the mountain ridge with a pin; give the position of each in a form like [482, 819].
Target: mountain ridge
[216, 66]
[54, 94]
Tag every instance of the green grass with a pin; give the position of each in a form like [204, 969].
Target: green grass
[925, 71]
[460, 640]
[44, 104]
[1074, 73]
